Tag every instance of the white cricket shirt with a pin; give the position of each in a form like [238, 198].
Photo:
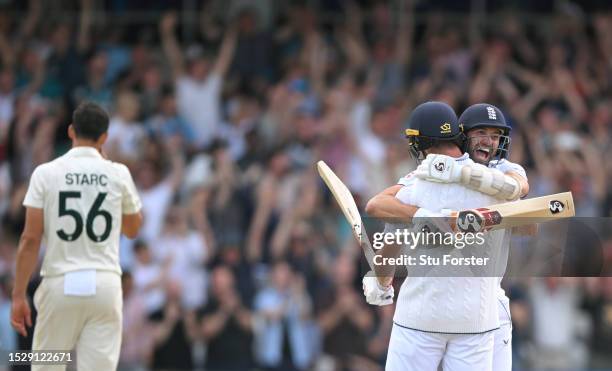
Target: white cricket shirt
[453, 304]
[83, 197]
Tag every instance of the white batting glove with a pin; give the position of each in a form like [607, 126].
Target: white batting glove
[375, 293]
[439, 168]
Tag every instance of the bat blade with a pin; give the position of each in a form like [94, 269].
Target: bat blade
[516, 213]
[347, 204]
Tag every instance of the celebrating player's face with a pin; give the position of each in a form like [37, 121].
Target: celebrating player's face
[483, 143]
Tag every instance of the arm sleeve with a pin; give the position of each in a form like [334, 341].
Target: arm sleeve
[130, 201]
[35, 196]
[505, 166]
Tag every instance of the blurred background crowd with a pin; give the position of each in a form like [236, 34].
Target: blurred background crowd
[221, 108]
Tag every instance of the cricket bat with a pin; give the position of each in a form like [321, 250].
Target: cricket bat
[516, 213]
[349, 209]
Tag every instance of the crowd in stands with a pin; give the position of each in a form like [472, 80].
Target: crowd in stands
[221, 113]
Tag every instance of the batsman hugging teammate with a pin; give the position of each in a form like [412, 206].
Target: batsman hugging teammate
[432, 325]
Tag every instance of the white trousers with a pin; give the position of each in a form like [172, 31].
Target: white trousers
[502, 348]
[502, 352]
[92, 324]
[413, 350]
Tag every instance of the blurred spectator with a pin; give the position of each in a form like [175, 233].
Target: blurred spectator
[174, 331]
[96, 88]
[149, 278]
[243, 113]
[231, 257]
[8, 337]
[125, 134]
[157, 191]
[379, 342]
[559, 327]
[167, 122]
[343, 314]
[226, 325]
[282, 330]
[7, 100]
[598, 303]
[254, 51]
[151, 92]
[136, 344]
[187, 253]
[281, 197]
[198, 84]
[19, 150]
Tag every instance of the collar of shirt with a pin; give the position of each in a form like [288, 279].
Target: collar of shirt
[83, 152]
[463, 157]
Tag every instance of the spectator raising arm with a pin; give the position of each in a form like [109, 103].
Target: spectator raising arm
[84, 36]
[177, 163]
[265, 204]
[170, 45]
[226, 53]
[403, 42]
[198, 211]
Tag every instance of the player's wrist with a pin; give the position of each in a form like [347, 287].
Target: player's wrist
[18, 294]
[384, 282]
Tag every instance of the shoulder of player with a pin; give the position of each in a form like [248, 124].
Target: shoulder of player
[121, 170]
[46, 169]
[407, 179]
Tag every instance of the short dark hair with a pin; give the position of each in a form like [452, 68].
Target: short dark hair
[89, 121]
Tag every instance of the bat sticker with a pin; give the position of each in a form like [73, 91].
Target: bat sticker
[556, 206]
[469, 221]
[479, 220]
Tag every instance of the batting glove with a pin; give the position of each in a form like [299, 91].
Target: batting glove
[375, 293]
[439, 168]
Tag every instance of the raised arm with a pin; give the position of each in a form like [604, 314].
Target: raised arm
[403, 43]
[226, 53]
[174, 146]
[84, 37]
[350, 37]
[170, 45]
[265, 200]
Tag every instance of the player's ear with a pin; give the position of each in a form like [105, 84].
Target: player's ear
[71, 132]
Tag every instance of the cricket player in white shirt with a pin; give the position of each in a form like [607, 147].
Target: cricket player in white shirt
[428, 329]
[488, 137]
[488, 144]
[77, 205]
